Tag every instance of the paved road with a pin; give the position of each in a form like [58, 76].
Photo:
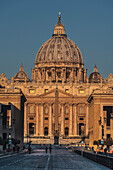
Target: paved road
[59, 159]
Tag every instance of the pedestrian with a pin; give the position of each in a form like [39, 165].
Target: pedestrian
[14, 149]
[105, 151]
[29, 149]
[50, 149]
[18, 149]
[46, 149]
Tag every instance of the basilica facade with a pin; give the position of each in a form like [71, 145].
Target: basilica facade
[63, 105]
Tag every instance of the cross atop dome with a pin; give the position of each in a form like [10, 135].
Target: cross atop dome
[95, 69]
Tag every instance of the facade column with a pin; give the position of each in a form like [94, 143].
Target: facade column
[42, 120]
[105, 122]
[25, 120]
[102, 121]
[75, 119]
[70, 120]
[50, 120]
[37, 120]
[87, 118]
[62, 120]
[111, 125]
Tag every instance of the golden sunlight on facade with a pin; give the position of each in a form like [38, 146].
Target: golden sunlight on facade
[62, 104]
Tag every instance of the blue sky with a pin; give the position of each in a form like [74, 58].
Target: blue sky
[26, 24]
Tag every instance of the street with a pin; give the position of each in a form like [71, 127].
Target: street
[58, 159]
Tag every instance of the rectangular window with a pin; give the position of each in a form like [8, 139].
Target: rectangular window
[46, 118]
[46, 90]
[66, 118]
[81, 91]
[9, 117]
[31, 91]
[31, 118]
[67, 90]
[81, 119]
[31, 128]
[108, 136]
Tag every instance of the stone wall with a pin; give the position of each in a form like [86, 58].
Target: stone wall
[101, 159]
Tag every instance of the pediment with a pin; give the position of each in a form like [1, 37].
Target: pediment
[61, 94]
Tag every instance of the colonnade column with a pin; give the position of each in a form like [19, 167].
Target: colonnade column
[62, 120]
[42, 120]
[87, 121]
[71, 119]
[50, 119]
[37, 120]
[25, 119]
[75, 119]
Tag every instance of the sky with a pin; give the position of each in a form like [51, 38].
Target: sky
[26, 24]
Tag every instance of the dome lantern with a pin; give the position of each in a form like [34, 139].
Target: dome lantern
[59, 27]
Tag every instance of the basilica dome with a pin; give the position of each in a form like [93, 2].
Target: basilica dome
[59, 59]
[59, 48]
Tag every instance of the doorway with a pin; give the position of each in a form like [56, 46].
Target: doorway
[56, 140]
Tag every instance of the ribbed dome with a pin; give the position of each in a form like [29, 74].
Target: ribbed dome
[21, 76]
[59, 48]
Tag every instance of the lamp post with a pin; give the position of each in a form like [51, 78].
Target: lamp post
[102, 129]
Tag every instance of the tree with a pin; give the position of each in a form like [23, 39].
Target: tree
[109, 142]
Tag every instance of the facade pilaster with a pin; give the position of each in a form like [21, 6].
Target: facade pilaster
[111, 125]
[87, 122]
[75, 119]
[70, 120]
[50, 119]
[62, 120]
[25, 120]
[37, 120]
[42, 120]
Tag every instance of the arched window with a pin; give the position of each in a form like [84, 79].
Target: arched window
[67, 110]
[46, 110]
[66, 131]
[31, 110]
[46, 131]
[81, 110]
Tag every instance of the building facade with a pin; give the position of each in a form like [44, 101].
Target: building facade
[57, 107]
[11, 114]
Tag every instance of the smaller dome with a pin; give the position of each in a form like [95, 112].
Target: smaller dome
[21, 76]
[95, 77]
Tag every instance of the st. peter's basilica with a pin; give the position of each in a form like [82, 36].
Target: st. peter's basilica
[61, 103]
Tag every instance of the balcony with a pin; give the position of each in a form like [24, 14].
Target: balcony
[31, 114]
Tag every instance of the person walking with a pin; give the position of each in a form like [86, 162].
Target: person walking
[46, 149]
[50, 149]
[29, 149]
